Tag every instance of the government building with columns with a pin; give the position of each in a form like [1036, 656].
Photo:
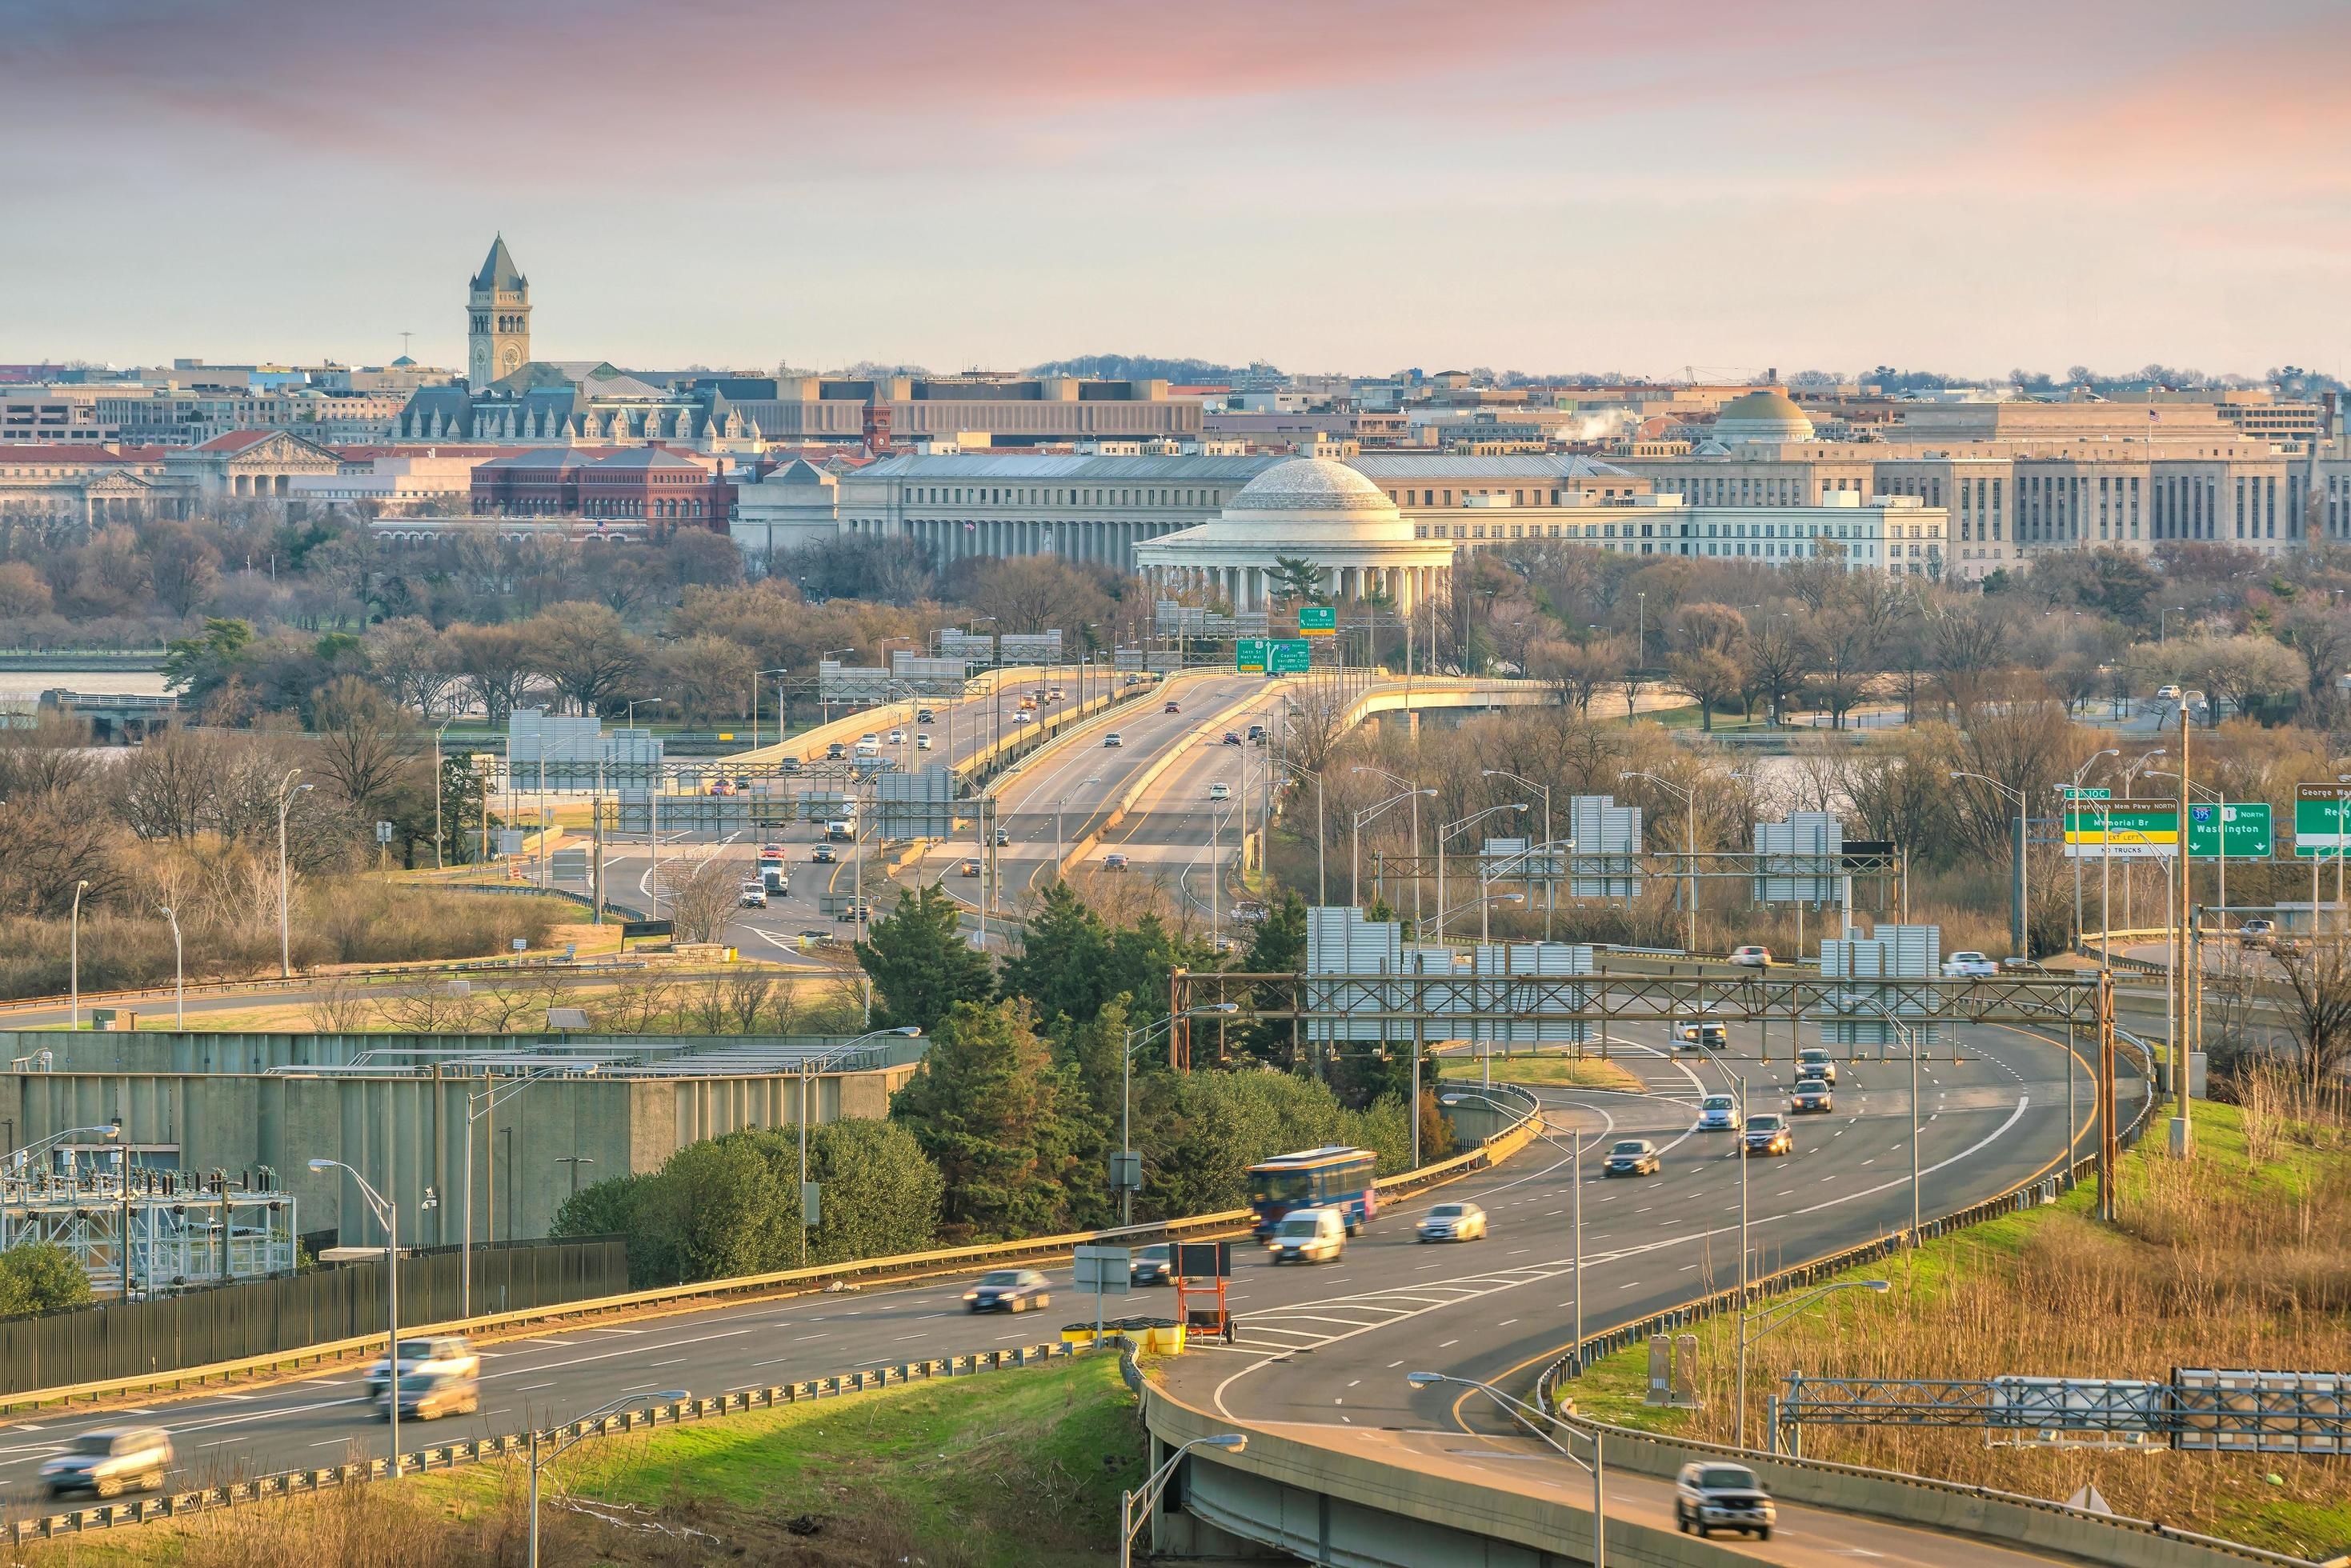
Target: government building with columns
[1311, 509]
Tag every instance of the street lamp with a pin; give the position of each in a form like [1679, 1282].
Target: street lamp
[1550, 883]
[179, 972]
[1536, 1422]
[1689, 797]
[20, 1160]
[387, 1214]
[1445, 831]
[1322, 870]
[1129, 1521]
[74, 961]
[563, 1440]
[631, 705]
[1355, 839]
[1418, 793]
[779, 672]
[1754, 1326]
[808, 1067]
[2021, 892]
[286, 791]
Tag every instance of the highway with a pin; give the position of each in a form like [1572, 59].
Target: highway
[1328, 1345]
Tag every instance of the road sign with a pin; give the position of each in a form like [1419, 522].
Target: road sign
[1288, 656]
[1104, 1270]
[1249, 656]
[2127, 831]
[2239, 829]
[2319, 819]
[811, 1204]
[1126, 1171]
[644, 929]
[1203, 1260]
[1317, 620]
[2074, 794]
[383, 833]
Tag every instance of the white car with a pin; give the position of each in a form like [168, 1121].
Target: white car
[922, 742]
[751, 895]
[1453, 1222]
[1968, 965]
[446, 1355]
[897, 737]
[1114, 739]
[1220, 791]
[2166, 693]
[1718, 1113]
[1751, 957]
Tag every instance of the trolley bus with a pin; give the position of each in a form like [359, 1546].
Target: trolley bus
[1331, 1178]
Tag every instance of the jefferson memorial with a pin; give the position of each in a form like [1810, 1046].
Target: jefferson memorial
[1312, 508]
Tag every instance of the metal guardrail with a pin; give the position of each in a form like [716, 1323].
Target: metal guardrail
[336, 1478]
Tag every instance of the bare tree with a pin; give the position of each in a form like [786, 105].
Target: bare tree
[2317, 1007]
[495, 662]
[414, 662]
[338, 1006]
[702, 897]
[586, 651]
[365, 742]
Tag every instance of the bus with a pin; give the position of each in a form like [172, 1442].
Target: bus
[1335, 1177]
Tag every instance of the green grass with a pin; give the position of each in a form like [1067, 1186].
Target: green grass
[1007, 1469]
[1555, 1072]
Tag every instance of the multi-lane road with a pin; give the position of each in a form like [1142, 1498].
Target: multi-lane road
[1329, 1344]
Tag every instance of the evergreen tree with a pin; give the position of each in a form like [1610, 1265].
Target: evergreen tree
[993, 1111]
[919, 962]
[1058, 968]
[715, 1213]
[1278, 946]
[40, 1276]
[881, 1194]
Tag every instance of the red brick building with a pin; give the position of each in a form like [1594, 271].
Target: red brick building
[650, 483]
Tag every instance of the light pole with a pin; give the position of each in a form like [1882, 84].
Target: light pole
[480, 1103]
[1550, 883]
[810, 1065]
[563, 1440]
[1417, 793]
[179, 973]
[1355, 841]
[2071, 791]
[286, 791]
[73, 962]
[440, 861]
[387, 1214]
[1535, 1421]
[1129, 1521]
[2021, 920]
[1754, 1326]
[756, 675]
[20, 1159]
[1321, 869]
[1445, 831]
[1689, 797]
[575, 1161]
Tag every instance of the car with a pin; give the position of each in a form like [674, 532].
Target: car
[853, 910]
[1632, 1156]
[1815, 1062]
[1055, 695]
[841, 830]
[1718, 1113]
[1452, 1223]
[1768, 1133]
[109, 1461]
[1008, 1290]
[897, 737]
[824, 855]
[1152, 1265]
[1003, 837]
[817, 938]
[1257, 733]
[1751, 957]
[1308, 1236]
[1232, 738]
[2256, 933]
[1113, 739]
[922, 742]
[1250, 911]
[2166, 693]
[429, 1396]
[751, 895]
[834, 752]
[1711, 1495]
[451, 1352]
[1810, 1096]
[1220, 791]
[1115, 861]
[924, 716]
[1132, 680]
[720, 786]
[788, 764]
[771, 852]
[970, 868]
[1703, 1034]
[1968, 964]
[1172, 707]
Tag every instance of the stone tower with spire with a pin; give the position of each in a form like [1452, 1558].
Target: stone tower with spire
[498, 319]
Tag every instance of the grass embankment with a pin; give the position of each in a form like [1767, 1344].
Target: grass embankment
[1556, 1072]
[2239, 1257]
[1013, 1467]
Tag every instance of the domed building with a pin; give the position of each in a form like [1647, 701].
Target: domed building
[1316, 509]
[1767, 418]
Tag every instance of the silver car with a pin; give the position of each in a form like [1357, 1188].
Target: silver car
[110, 1463]
[1710, 1496]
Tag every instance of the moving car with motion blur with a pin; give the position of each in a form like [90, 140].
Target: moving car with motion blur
[1710, 1496]
[429, 1396]
[1173, 707]
[1968, 964]
[1810, 1096]
[449, 1353]
[1308, 1236]
[1632, 1157]
[110, 1463]
[1153, 1265]
[1453, 1222]
[1769, 1134]
[1008, 1290]
[1751, 957]
[970, 868]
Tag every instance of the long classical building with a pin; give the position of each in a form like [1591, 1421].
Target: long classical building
[90, 484]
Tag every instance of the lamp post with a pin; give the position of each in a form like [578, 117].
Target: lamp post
[575, 1161]
[179, 972]
[2020, 891]
[440, 860]
[563, 1440]
[480, 1103]
[73, 962]
[1754, 1326]
[756, 675]
[1445, 831]
[1355, 840]
[1129, 1521]
[387, 1214]
[20, 1160]
[1550, 883]
[1689, 797]
[1417, 793]
[286, 791]
[1535, 1421]
[2069, 792]
[1321, 869]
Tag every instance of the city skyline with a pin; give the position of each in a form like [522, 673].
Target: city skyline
[1356, 187]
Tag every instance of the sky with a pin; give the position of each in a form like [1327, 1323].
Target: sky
[1545, 185]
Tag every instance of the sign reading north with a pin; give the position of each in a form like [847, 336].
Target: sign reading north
[1317, 620]
[1249, 656]
[2126, 830]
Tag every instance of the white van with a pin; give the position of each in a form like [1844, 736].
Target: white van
[869, 746]
[1308, 1236]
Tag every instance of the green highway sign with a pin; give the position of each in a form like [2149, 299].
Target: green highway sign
[2130, 830]
[1287, 655]
[2319, 813]
[2074, 793]
[2238, 830]
[1249, 656]
[1317, 620]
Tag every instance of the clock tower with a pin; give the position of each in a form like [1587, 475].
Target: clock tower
[497, 319]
